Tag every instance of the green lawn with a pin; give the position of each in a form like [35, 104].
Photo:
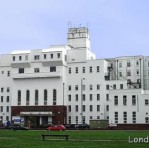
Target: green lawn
[77, 139]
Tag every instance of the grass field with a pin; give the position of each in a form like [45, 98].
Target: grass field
[77, 139]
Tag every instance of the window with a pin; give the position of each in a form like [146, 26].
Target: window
[133, 100]
[58, 55]
[13, 58]
[147, 120]
[98, 117]
[21, 70]
[98, 87]
[98, 69]
[91, 87]
[98, 97]
[19, 97]
[69, 70]
[84, 120]
[114, 86]
[83, 69]
[8, 73]
[7, 109]
[76, 96]
[45, 96]
[91, 117]
[98, 108]
[51, 56]
[76, 119]
[36, 70]
[1, 109]
[83, 97]
[27, 97]
[116, 117]
[69, 108]
[107, 97]
[53, 69]
[120, 74]
[125, 117]
[44, 56]
[124, 100]
[91, 97]
[2, 72]
[69, 119]
[128, 73]
[121, 86]
[20, 58]
[107, 108]
[69, 87]
[76, 69]
[36, 97]
[115, 100]
[76, 87]
[133, 117]
[128, 64]
[137, 72]
[36, 57]
[120, 65]
[69, 97]
[54, 96]
[146, 102]
[2, 98]
[2, 89]
[137, 63]
[83, 108]
[90, 69]
[107, 87]
[76, 108]
[7, 99]
[91, 108]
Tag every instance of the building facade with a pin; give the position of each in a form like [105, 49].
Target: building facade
[66, 84]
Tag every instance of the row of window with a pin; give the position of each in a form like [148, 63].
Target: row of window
[84, 87]
[84, 97]
[114, 86]
[91, 108]
[37, 70]
[7, 73]
[84, 119]
[2, 99]
[36, 97]
[129, 73]
[90, 70]
[2, 118]
[2, 109]
[128, 64]
[125, 100]
[3, 89]
[116, 117]
[36, 57]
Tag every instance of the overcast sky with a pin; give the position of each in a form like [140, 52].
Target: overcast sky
[117, 27]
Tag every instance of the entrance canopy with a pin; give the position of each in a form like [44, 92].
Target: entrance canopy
[36, 114]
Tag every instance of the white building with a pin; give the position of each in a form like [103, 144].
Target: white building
[67, 84]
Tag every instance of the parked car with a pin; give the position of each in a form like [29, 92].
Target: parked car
[82, 126]
[18, 127]
[56, 128]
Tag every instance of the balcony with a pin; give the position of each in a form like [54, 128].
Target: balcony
[36, 75]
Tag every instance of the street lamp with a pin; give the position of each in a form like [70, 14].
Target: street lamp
[82, 99]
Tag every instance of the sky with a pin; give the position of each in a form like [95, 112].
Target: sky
[116, 27]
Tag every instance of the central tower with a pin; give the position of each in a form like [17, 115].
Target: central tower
[78, 38]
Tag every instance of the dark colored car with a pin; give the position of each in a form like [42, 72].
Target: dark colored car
[18, 127]
[82, 126]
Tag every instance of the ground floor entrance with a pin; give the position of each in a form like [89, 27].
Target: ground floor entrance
[39, 116]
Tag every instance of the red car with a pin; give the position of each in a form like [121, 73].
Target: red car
[56, 128]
